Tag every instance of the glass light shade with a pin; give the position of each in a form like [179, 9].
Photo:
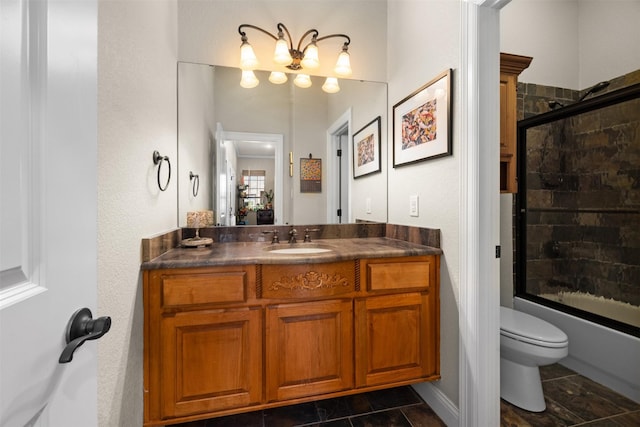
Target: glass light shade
[310, 59]
[249, 79]
[343, 66]
[277, 77]
[248, 59]
[281, 55]
[331, 85]
[302, 80]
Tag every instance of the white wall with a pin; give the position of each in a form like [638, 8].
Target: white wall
[137, 53]
[547, 30]
[574, 43]
[209, 31]
[609, 33]
[424, 40]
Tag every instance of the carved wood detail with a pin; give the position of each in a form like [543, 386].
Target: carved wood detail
[310, 280]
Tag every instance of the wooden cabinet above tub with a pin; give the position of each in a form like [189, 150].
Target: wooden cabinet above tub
[227, 339]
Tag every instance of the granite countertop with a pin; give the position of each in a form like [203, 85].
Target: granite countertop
[234, 253]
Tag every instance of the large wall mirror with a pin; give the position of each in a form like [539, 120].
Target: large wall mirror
[240, 151]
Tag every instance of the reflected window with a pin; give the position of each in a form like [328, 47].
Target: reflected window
[253, 181]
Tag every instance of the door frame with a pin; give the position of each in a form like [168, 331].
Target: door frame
[334, 186]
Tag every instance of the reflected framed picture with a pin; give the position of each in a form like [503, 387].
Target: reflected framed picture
[422, 123]
[366, 150]
[310, 175]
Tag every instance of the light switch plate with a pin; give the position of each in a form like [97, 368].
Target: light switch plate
[413, 205]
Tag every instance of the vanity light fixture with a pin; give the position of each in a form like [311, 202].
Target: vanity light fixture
[294, 58]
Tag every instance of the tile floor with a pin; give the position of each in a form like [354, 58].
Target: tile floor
[572, 400]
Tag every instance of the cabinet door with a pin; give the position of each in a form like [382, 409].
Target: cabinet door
[309, 348]
[508, 108]
[211, 360]
[395, 339]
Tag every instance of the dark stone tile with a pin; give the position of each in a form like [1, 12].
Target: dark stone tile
[248, 419]
[509, 416]
[607, 422]
[554, 415]
[555, 371]
[631, 419]
[605, 393]
[393, 398]
[422, 416]
[341, 407]
[579, 398]
[337, 423]
[289, 416]
[200, 423]
[390, 418]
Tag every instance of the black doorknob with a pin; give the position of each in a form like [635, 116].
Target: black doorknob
[83, 327]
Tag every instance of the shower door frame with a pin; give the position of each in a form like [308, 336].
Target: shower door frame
[606, 100]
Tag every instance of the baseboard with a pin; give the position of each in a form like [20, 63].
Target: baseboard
[439, 402]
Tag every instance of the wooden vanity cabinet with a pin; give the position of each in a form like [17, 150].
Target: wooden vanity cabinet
[223, 340]
[397, 322]
[210, 360]
[309, 349]
[202, 342]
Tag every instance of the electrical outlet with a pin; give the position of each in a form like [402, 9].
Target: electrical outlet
[413, 205]
[368, 204]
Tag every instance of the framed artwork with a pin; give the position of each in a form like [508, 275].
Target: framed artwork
[366, 149]
[310, 175]
[422, 123]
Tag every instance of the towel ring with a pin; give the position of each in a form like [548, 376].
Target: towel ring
[157, 160]
[196, 183]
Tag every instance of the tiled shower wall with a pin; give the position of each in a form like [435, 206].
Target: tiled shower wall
[583, 196]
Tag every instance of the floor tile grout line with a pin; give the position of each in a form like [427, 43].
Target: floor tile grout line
[600, 419]
[560, 378]
[555, 402]
[349, 417]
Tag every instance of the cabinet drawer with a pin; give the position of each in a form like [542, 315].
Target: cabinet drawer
[401, 273]
[207, 288]
[308, 280]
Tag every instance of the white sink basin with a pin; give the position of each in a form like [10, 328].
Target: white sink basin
[299, 251]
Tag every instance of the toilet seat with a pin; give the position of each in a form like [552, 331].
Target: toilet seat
[529, 329]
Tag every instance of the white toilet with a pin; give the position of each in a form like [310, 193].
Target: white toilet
[526, 343]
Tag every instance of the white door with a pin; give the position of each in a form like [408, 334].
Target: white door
[48, 214]
[231, 193]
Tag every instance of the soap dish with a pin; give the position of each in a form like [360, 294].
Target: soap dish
[197, 242]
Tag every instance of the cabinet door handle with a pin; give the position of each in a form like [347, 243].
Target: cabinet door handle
[83, 327]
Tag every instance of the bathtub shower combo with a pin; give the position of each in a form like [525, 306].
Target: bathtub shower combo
[578, 228]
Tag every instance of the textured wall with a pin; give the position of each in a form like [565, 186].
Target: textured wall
[583, 198]
[436, 182]
[137, 44]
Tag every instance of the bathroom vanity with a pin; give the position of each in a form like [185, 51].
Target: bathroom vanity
[239, 326]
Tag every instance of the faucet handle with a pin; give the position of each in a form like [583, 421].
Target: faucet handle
[275, 238]
[307, 237]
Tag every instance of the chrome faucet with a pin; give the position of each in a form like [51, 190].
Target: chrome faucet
[307, 237]
[275, 238]
[292, 235]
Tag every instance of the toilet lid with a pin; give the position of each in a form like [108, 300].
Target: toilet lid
[524, 327]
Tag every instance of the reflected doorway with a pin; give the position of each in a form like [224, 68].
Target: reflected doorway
[338, 200]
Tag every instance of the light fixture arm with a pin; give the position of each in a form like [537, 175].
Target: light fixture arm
[244, 35]
[297, 54]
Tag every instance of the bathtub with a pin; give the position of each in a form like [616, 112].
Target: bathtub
[602, 354]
